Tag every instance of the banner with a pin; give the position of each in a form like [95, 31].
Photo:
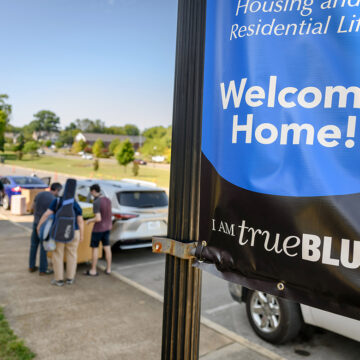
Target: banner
[280, 177]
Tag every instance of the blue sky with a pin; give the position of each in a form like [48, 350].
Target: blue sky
[100, 59]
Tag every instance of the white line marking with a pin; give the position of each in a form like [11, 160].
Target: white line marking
[140, 265]
[221, 307]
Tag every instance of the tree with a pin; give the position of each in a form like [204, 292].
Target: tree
[31, 147]
[45, 120]
[20, 142]
[113, 145]
[131, 130]
[59, 144]
[97, 148]
[158, 141]
[5, 111]
[3, 118]
[48, 143]
[87, 125]
[125, 154]
[4, 106]
[78, 146]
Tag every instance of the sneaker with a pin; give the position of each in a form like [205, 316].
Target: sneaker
[57, 282]
[70, 281]
[33, 269]
[47, 272]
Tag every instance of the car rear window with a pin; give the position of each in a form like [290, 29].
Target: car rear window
[142, 199]
[27, 180]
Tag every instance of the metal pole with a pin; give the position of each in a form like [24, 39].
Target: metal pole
[182, 293]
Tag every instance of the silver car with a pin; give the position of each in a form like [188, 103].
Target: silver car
[140, 210]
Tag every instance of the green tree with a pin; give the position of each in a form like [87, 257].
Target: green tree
[48, 143]
[4, 106]
[78, 146]
[59, 144]
[131, 130]
[125, 154]
[113, 145]
[97, 148]
[5, 111]
[3, 120]
[45, 120]
[20, 142]
[31, 147]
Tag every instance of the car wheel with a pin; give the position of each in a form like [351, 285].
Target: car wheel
[274, 319]
[6, 202]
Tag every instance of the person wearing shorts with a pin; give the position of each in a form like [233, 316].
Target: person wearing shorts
[101, 231]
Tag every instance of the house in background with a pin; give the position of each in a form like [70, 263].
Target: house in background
[90, 138]
[12, 136]
[45, 135]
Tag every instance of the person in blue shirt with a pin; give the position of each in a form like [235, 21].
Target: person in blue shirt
[69, 248]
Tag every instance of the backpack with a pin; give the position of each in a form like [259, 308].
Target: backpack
[63, 225]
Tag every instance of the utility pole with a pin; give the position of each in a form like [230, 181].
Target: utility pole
[182, 293]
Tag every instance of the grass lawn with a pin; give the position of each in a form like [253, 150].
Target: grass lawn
[11, 348]
[81, 167]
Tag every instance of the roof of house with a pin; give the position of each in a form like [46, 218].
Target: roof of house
[109, 137]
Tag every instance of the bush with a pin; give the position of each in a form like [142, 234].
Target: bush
[48, 143]
[98, 148]
[78, 146]
[59, 144]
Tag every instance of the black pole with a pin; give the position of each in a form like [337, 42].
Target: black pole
[182, 293]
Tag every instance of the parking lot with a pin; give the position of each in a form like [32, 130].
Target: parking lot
[143, 267]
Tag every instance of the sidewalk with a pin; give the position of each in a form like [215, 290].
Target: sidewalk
[96, 318]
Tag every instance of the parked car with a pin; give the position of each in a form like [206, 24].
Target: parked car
[277, 320]
[13, 185]
[140, 161]
[158, 159]
[87, 156]
[140, 210]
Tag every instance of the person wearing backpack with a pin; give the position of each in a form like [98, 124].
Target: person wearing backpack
[41, 203]
[65, 245]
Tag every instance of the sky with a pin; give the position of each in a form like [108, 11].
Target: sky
[111, 60]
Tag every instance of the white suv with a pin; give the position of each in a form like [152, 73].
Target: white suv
[140, 210]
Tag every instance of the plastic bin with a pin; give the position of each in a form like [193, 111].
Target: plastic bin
[18, 205]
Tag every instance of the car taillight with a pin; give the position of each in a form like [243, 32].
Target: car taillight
[124, 216]
[16, 189]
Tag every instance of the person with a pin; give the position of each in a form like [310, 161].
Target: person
[41, 203]
[69, 248]
[101, 232]
[2, 191]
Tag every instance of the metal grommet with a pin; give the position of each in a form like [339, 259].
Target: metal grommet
[281, 286]
[204, 243]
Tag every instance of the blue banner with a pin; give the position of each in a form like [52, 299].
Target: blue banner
[280, 174]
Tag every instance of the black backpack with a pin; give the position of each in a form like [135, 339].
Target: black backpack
[63, 227]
